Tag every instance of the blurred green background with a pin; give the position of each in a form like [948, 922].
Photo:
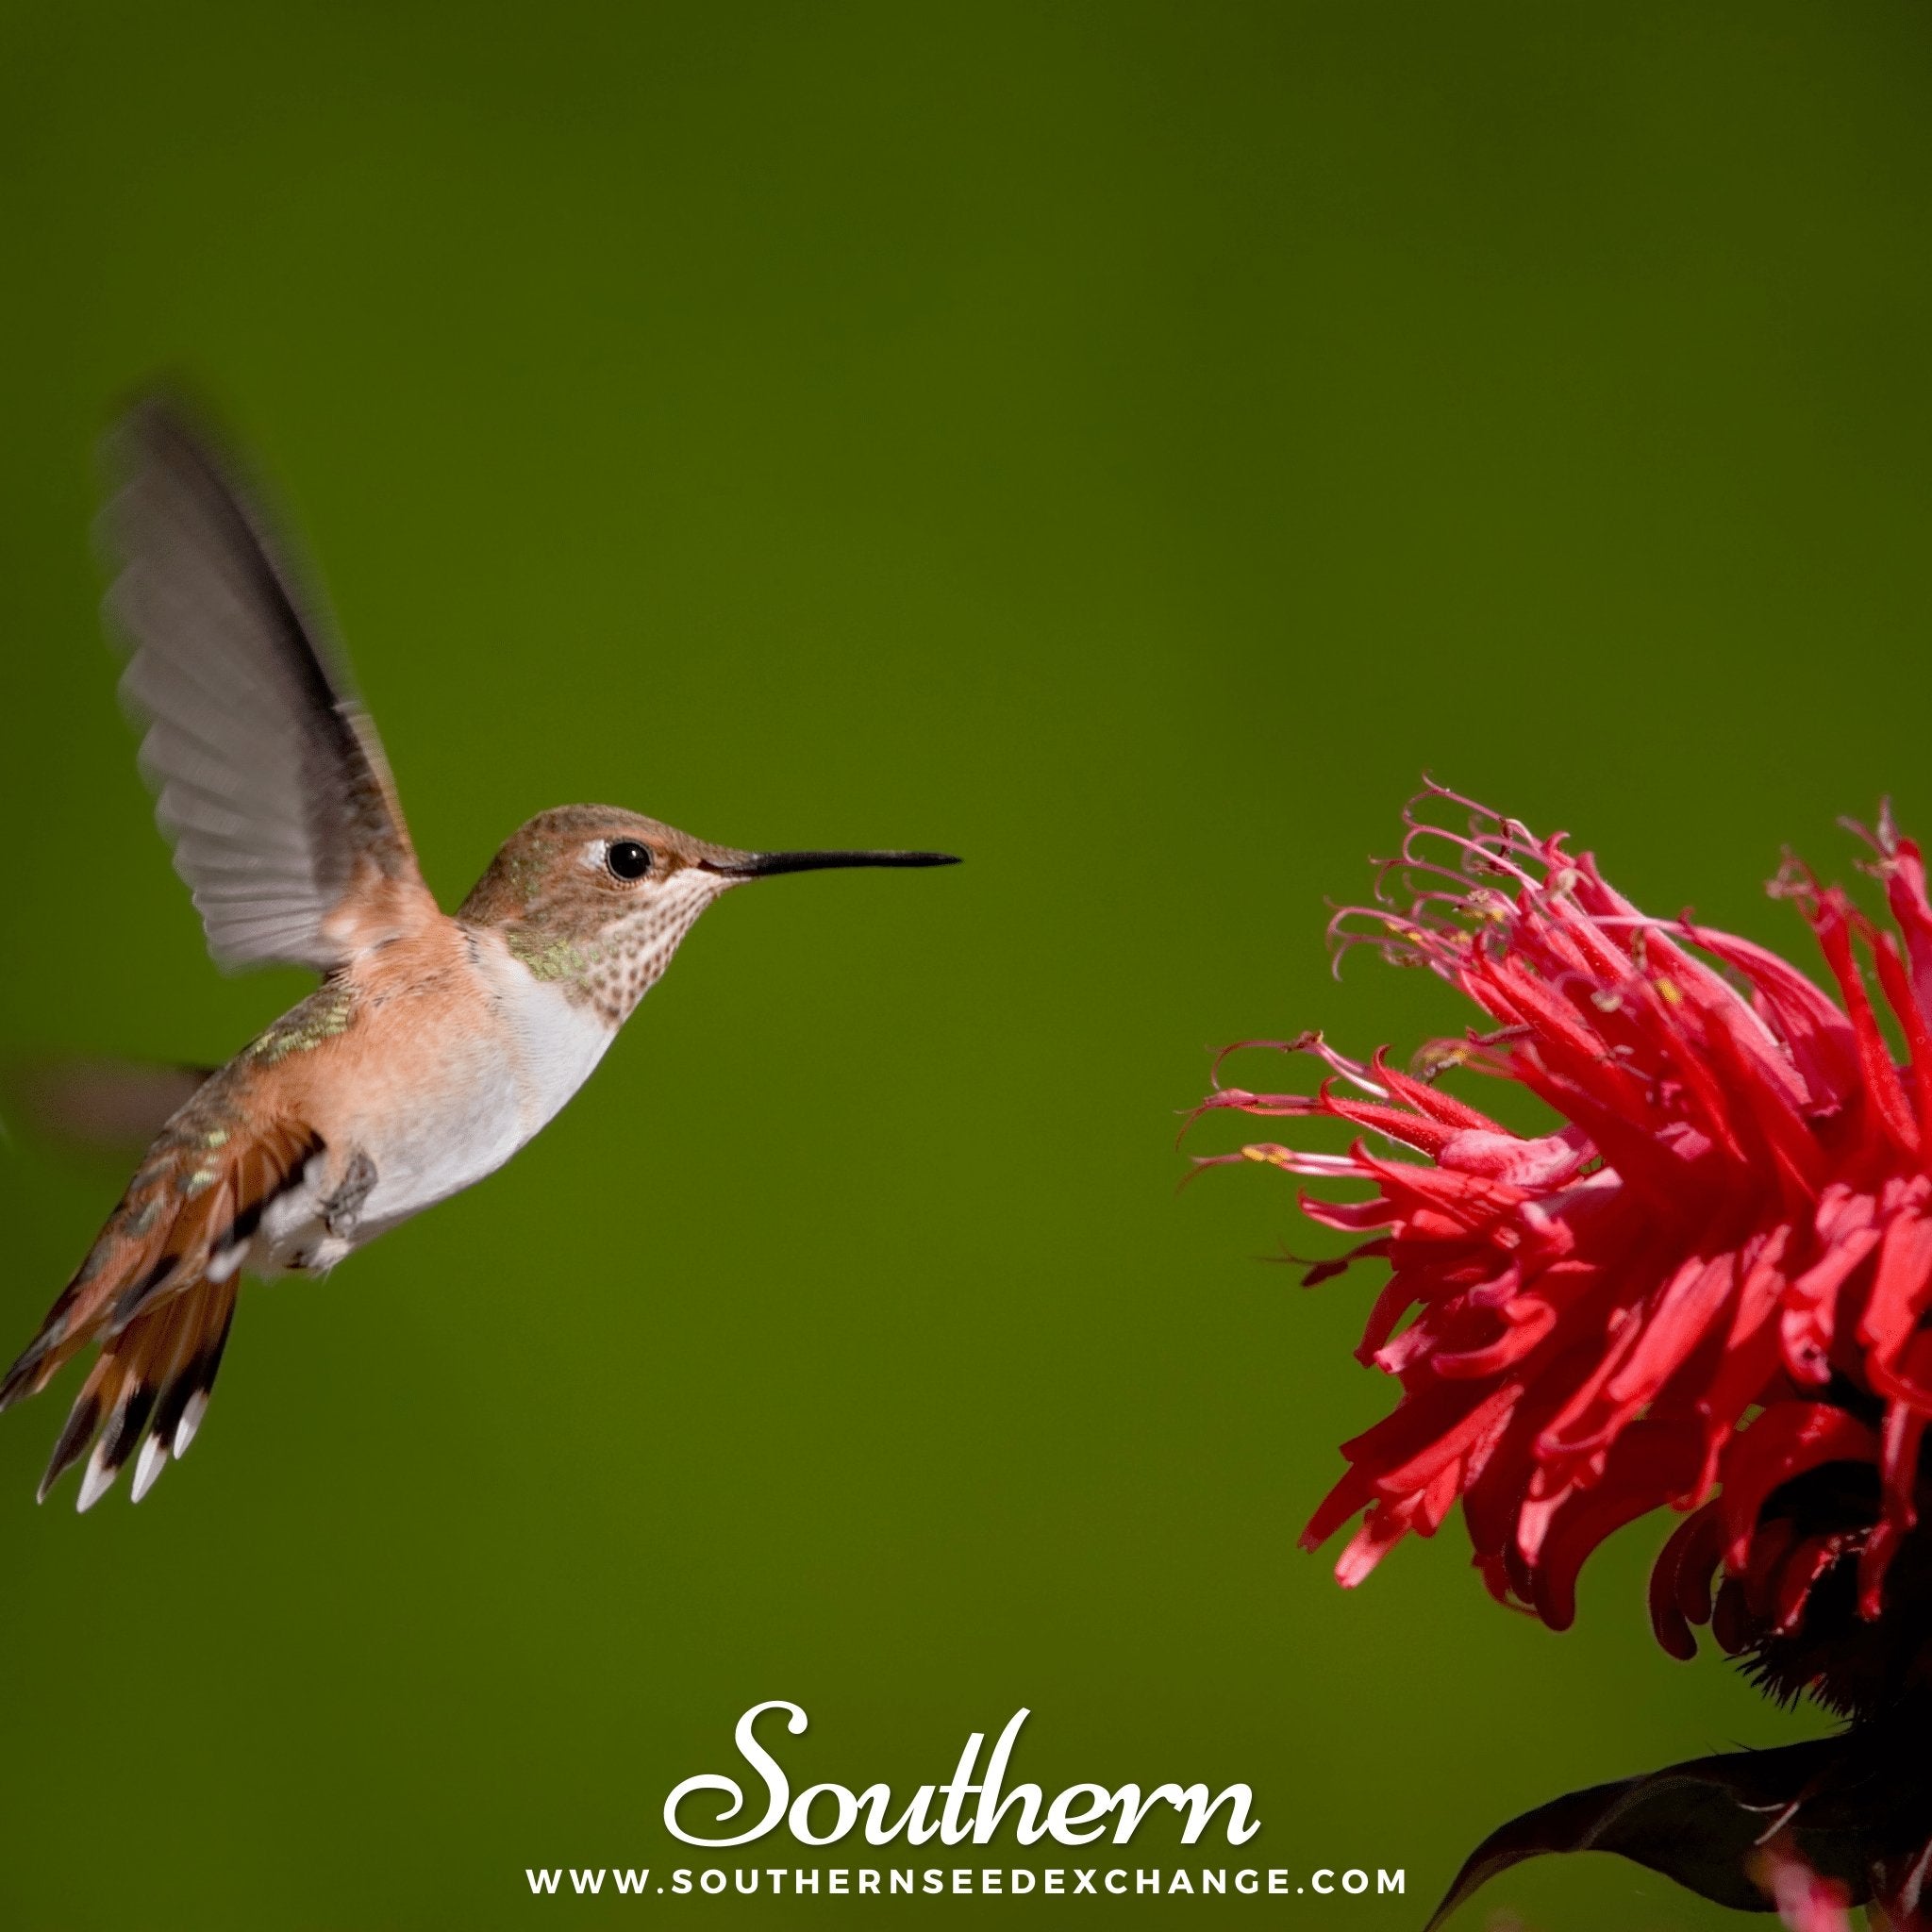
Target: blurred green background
[1124, 445]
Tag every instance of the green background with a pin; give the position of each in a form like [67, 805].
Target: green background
[1124, 445]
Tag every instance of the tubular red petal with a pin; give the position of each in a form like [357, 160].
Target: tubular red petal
[1785, 1441]
[1889, 1112]
[1875, 1559]
[1563, 1044]
[1811, 1304]
[1429, 1100]
[1674, 1322]
[1773, 1112]
[1539, 1164]
[1823, 1043]
[1649, 1462]
[1681, 1578]
[1495, 1577]
[1796, 1576]
[1898, 1464]
[1903, 999]
[1750, 1344]
[1384, 1526]
[1730, 1622]
[1455, 1440]
[1905, 891]
[1528, 1322]
[1350, 1496]
[1394, 1301]
[1771, 1543]
[1410, 1130]
[1901, 1286]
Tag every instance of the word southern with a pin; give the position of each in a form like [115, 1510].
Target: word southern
[822, 1814]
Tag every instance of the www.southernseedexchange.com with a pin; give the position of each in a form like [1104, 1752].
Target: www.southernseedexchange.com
[983, 1881]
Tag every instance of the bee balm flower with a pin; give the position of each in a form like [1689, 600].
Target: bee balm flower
[1701, 1288]
[1706, 1286]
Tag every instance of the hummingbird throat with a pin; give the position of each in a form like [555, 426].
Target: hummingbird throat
[610, 969]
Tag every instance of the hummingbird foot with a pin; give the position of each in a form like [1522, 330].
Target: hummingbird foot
[342, 1211]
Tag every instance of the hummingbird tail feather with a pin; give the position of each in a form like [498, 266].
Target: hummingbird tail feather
[157, 1293]
[147, 1392]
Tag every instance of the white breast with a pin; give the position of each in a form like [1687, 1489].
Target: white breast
[558, 1040]
[490, 1096]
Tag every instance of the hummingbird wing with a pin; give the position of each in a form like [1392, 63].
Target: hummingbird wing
[270, 780]
[88, 1104]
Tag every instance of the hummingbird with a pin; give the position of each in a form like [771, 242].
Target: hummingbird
[436, 1044]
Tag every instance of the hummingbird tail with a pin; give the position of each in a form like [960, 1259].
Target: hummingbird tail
[148, 1390]
[157, 1292]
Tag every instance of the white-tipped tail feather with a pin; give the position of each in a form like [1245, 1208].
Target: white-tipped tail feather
[98, 1479]
[152, 1460]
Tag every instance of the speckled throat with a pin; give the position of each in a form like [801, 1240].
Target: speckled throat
[610, 968]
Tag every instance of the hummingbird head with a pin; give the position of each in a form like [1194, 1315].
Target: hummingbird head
[598, 898]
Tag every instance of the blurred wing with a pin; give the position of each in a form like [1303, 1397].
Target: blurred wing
[95, 1105]
[272, 783]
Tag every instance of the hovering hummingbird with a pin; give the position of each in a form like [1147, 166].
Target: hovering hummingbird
[436, 1045]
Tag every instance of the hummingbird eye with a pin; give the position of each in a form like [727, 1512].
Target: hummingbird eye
[627, 859]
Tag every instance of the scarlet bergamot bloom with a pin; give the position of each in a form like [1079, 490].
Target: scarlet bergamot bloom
[1705, 1287]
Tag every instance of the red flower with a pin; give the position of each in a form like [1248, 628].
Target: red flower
[1707, 1286]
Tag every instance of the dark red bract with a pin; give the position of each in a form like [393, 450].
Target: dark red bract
[1705, 1287]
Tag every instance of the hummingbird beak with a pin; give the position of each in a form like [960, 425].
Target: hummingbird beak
[765, 865]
